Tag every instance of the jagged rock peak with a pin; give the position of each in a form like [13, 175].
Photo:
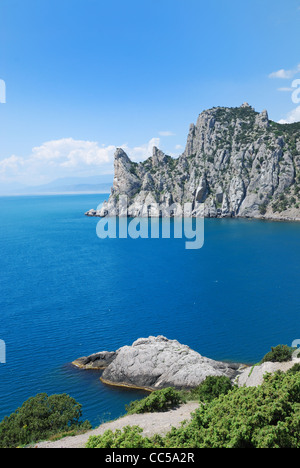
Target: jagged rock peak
[120, 154]
[262, 119]
[158, 156]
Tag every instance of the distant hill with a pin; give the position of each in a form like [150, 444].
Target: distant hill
[93, 184]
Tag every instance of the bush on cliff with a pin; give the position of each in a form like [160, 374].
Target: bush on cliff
[281, 353]
[294, 369]
[267, 416]
[211, 388]
[129, 437]
[39, 418]
[160, 400]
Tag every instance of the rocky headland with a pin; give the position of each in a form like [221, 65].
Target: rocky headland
[154, 363]
[237, 163]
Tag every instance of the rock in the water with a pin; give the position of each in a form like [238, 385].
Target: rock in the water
[91, 213]
[96, 361]
[156, 362]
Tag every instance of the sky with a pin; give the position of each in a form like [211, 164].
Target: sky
[83, 77]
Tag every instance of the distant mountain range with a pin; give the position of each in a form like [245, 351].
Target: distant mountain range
[93, 184]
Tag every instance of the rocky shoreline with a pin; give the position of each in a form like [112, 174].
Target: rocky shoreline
[99, 214]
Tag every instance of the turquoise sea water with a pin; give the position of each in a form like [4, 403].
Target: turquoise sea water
[65, 293]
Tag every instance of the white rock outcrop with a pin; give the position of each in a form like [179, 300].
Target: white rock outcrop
[156, 362]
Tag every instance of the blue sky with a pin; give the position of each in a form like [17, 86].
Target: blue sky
[85, 76]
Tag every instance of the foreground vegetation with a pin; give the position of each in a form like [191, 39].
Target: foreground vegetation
[168, 398]
[42, 417]
[161, 400]
[267, 416]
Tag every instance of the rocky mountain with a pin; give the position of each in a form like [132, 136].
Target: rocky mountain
[237, 162]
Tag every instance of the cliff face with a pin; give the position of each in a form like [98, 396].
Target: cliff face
[237, 162]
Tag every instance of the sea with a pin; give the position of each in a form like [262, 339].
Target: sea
[66, 293]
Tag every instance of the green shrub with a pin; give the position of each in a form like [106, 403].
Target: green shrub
[160, 400]
[294, 369]
[281, 353]
[212, 388]
[263, 208]
[266, 416]
[248, 417]
[129, 437]
[39, 418]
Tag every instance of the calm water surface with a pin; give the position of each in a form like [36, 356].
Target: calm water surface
[64, 293]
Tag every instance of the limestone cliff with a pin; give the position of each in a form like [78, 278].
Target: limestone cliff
[236, 161]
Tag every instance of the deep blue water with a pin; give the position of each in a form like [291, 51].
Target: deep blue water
[64, 293]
